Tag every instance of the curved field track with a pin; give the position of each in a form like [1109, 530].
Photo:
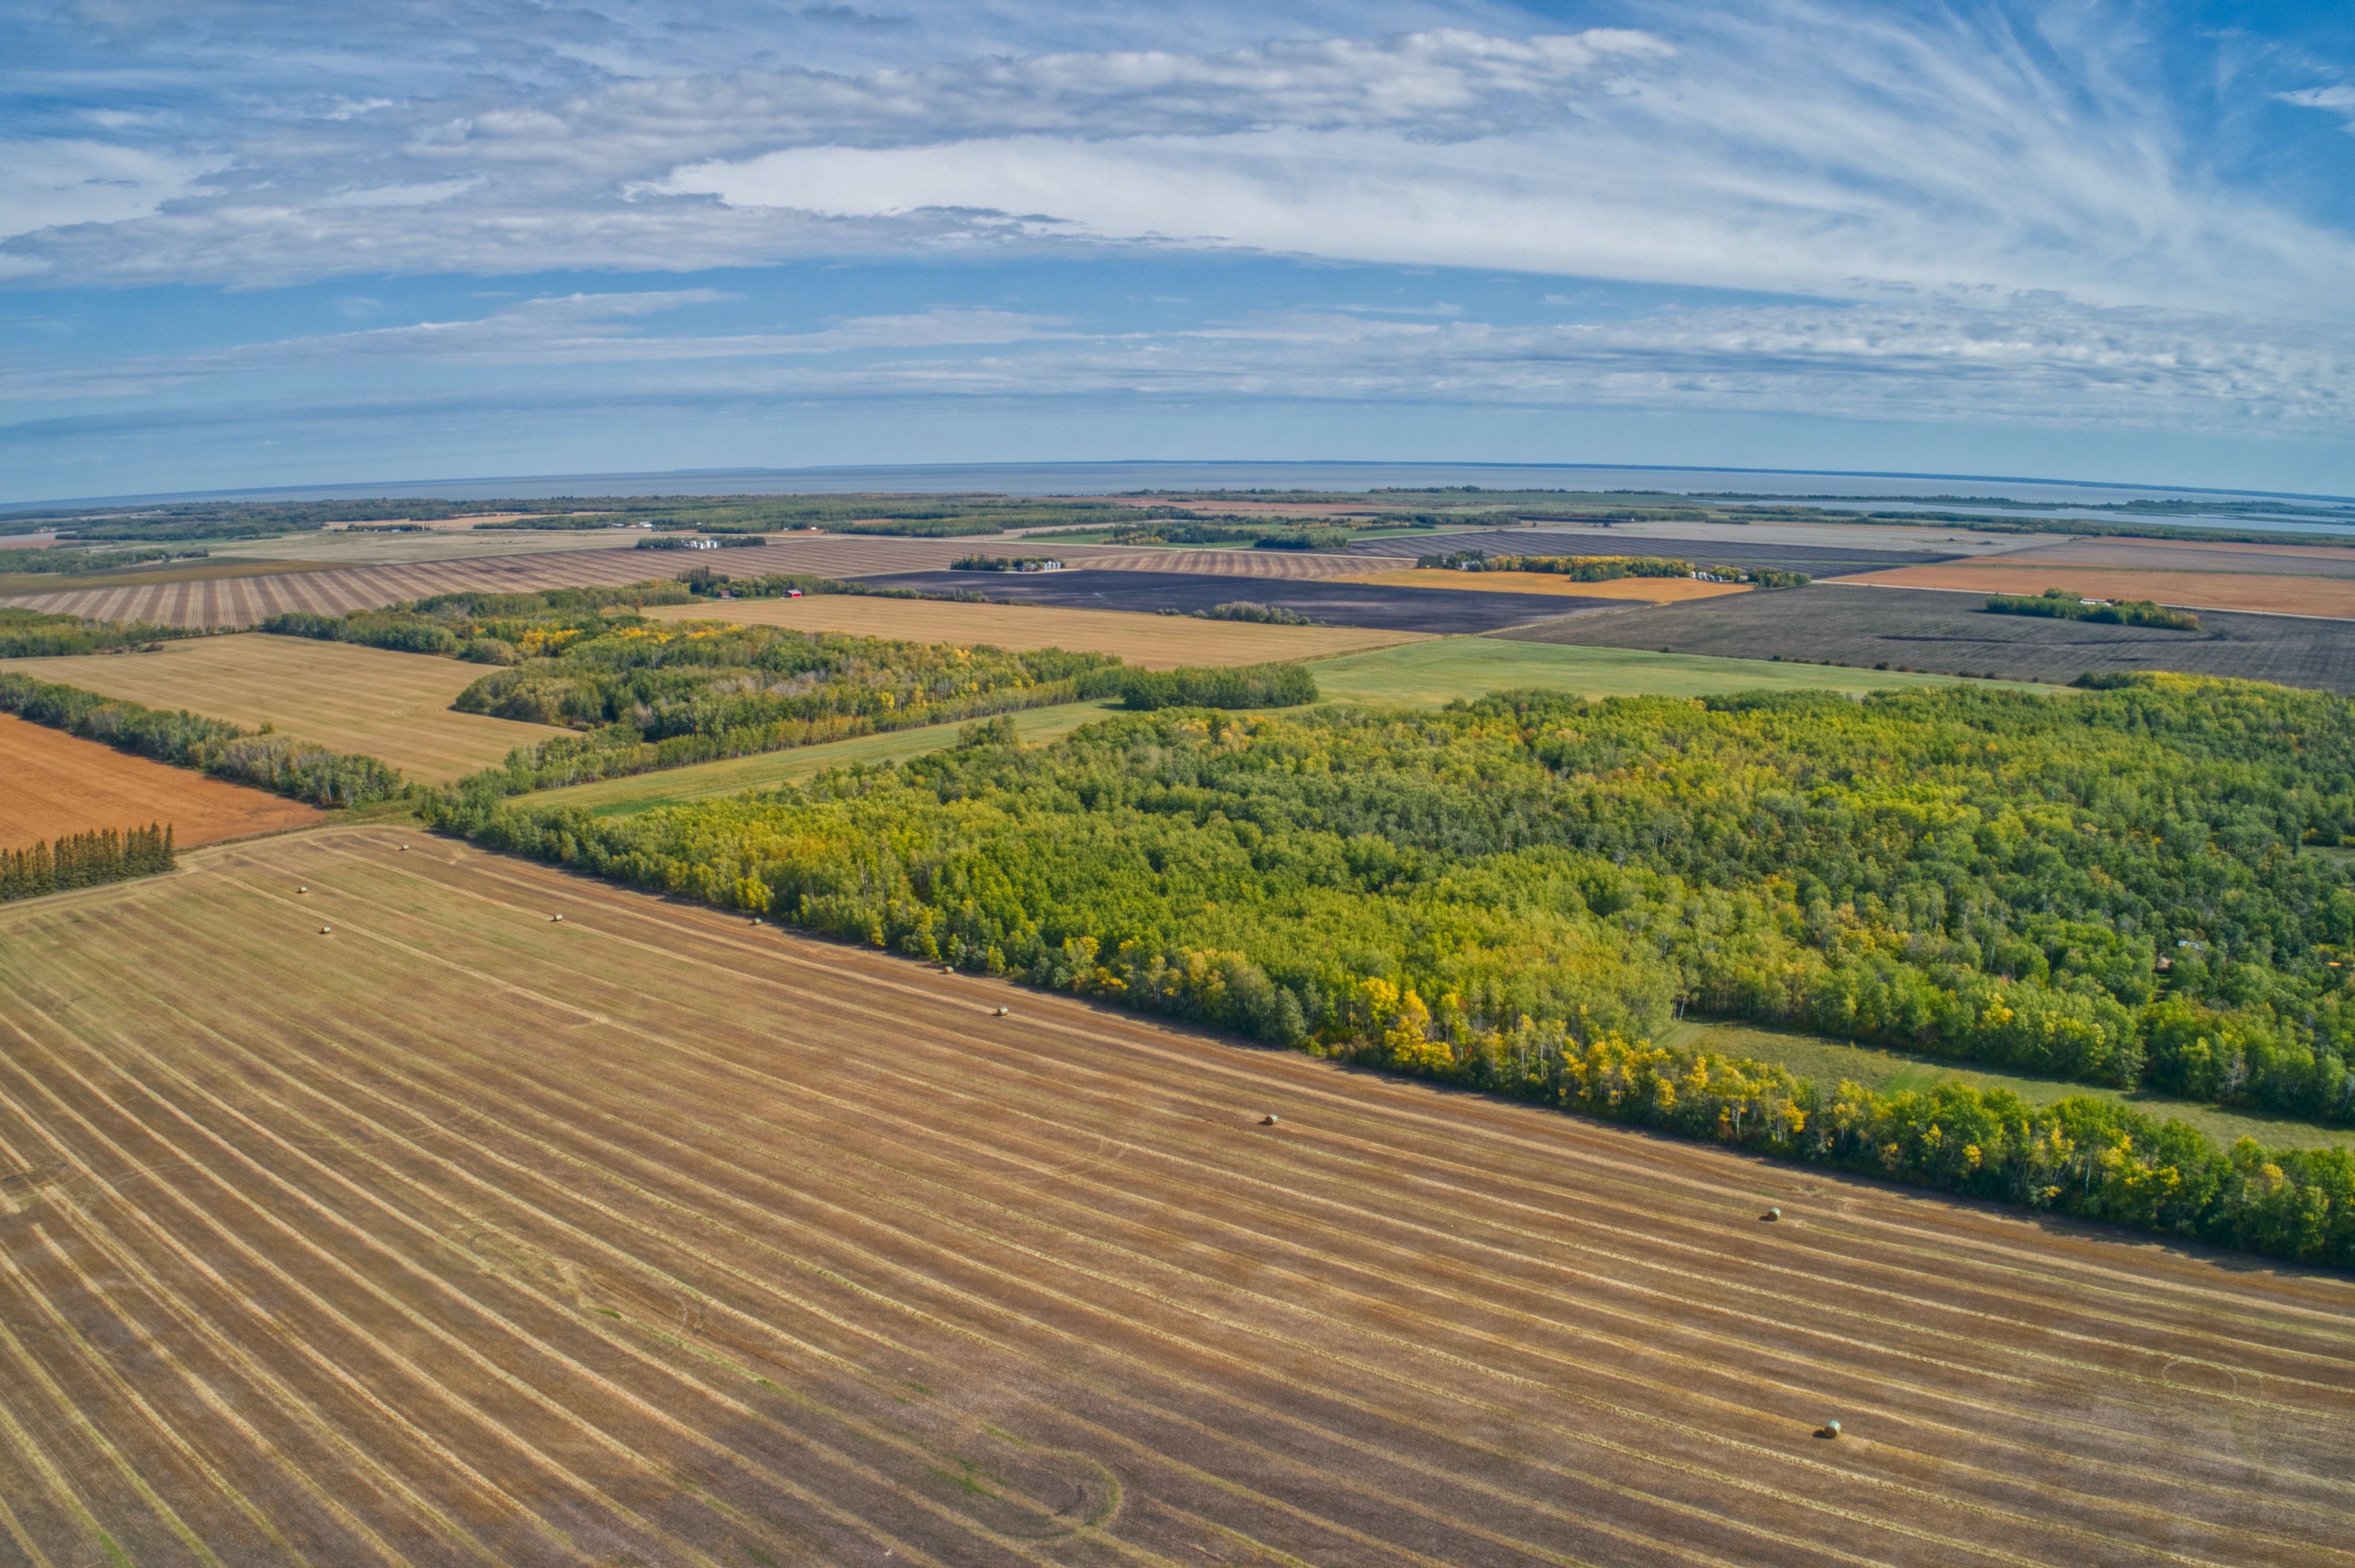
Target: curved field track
[463, 1235]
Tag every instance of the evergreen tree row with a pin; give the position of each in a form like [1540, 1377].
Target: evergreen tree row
[84, 860]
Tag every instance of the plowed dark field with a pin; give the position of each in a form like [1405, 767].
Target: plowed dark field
[460, 1234]
[1946, 633]
[1436, 609]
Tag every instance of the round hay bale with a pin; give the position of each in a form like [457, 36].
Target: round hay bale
[1001, 1012]
[1771, 1214]
[326, 930]
[1829, 1429]
[1270, 1119]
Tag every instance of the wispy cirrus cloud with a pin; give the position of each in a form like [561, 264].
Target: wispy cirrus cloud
[1981, 213]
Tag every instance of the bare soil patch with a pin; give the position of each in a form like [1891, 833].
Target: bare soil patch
[2195, 589]
[1950, 633]
[465, 1234]
[59, 784]
[349, 699]
[1149, 642]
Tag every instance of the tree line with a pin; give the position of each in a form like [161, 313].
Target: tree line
[280, 764]
[2110, 886]
[35, 633]
[85, 861]
[2065, 604]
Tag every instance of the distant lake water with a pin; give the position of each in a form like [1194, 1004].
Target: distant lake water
[2048, 498]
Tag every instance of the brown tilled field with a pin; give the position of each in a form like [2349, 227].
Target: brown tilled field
[57, 783]
[1149, 642]
[460, 1234]
[351, 699]
[2263, 594]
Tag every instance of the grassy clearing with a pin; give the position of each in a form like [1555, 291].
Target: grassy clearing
[1149, 642]
[803, 1253]
[704, 781]
[1444, 669]
[1893, 1071]
[345, 697]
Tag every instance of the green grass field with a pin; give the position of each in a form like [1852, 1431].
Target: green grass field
[1891, 1072]
[1450, 667]
[704, 781]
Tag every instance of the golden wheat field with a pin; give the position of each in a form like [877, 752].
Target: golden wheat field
[455, 1233]
[348, 698]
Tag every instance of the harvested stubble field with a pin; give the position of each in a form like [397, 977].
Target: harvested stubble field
[2197, 590]
[1643, 590]
[1149, 642]
[345, 697]
[58, 783]
[1951, 632]
[1334, 604]
[2191, 555]
[652, 1236]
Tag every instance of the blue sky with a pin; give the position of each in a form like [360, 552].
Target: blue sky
[255, 243]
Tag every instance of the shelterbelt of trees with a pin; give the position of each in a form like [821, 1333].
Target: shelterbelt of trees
[303, 769]
[1516, 893]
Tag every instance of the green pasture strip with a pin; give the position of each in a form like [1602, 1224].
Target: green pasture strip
[709, 780]
[1446, 669]
[1896, 1072]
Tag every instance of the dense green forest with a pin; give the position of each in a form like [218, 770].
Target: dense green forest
[85, 861]
[1225, 685]
[647, 694]
[2065, 604]
[277, 762]
[2108, 886]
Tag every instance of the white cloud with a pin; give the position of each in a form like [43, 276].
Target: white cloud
[47, 183]
[2340, 100]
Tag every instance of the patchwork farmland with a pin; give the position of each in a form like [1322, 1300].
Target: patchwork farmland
[458, 1232]
[349, 699]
